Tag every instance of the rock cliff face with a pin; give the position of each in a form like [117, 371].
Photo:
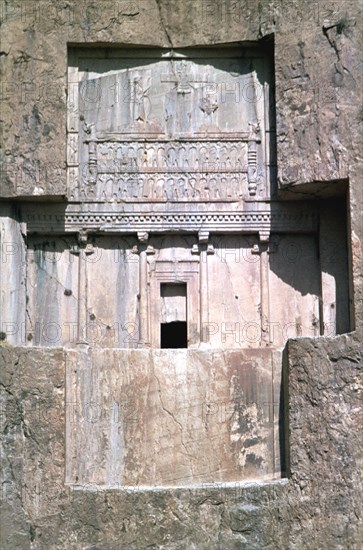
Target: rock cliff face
[75, 466]
[317, 506]
[318, 83]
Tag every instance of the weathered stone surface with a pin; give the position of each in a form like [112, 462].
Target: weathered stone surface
[172, 417]
[319, 506]
[317, 84]
[69, 299]
[300, 275]
[170, 125]
[12, 276]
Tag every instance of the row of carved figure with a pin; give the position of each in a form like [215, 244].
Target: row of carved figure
[198, 157]
[180, 187]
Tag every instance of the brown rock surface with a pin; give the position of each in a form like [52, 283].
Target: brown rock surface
[319, 506]
[53, 496]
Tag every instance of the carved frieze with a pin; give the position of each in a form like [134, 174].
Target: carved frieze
[176, 127]
[289, 217]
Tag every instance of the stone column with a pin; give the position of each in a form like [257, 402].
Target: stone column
[73, 175]
[253, 139]
[82, 250]
[264, 286]
[204, 249]
[144, 335]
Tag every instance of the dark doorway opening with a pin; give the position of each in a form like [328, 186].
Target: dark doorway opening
[174, 335]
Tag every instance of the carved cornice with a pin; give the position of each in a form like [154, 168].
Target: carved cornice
[278, 218]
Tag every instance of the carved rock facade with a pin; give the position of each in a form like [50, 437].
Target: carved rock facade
[150, 204]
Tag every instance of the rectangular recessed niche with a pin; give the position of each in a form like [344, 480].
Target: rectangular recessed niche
[173, 335]
[181, 157]
[173, 327]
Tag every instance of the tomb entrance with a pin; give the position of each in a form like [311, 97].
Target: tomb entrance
[174, 274]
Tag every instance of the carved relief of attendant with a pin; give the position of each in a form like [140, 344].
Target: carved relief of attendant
[175, 189]
[193, 189]
[226, 188]
[159, 190]
[132, 159]
[204, 187]
[106, 186]
[181, 190]
[161, 158]
[145, 161]
[139, 99]
[235, 191]
[139, 186]
[182, 158]
[214, 188]
[169, 191]
[148, 186]
[193, 158]
[128, 189]
[172, 158]
[120, 186]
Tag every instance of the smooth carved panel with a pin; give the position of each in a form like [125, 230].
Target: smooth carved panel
[171, 417]
[112, 294]
[176, 127]
[52, 292]
[294, 273]
[97, 304]
[234, 312]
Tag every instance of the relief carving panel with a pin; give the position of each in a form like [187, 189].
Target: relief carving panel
[177, 126]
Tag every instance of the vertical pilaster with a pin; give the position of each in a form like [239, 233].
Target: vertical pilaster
[263, 250]
[82, 299]
[253, 138]
[204, 250]
[73, 129]
[82, 250]
[144, 332]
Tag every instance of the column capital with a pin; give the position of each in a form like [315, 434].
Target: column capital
[203, 236]
[143, 236]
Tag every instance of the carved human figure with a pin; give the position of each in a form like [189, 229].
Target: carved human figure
[161, 158]
[194, 191]
[132, 159]
[72, 148]
[171, 158]
[106, 184]
[169, 189]
[214, 188]
[123, 188]
[235, 188]
[159, 190]
[147, 189]
[204, 187]
[181, 188]
[139, 99]
[225, 188]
